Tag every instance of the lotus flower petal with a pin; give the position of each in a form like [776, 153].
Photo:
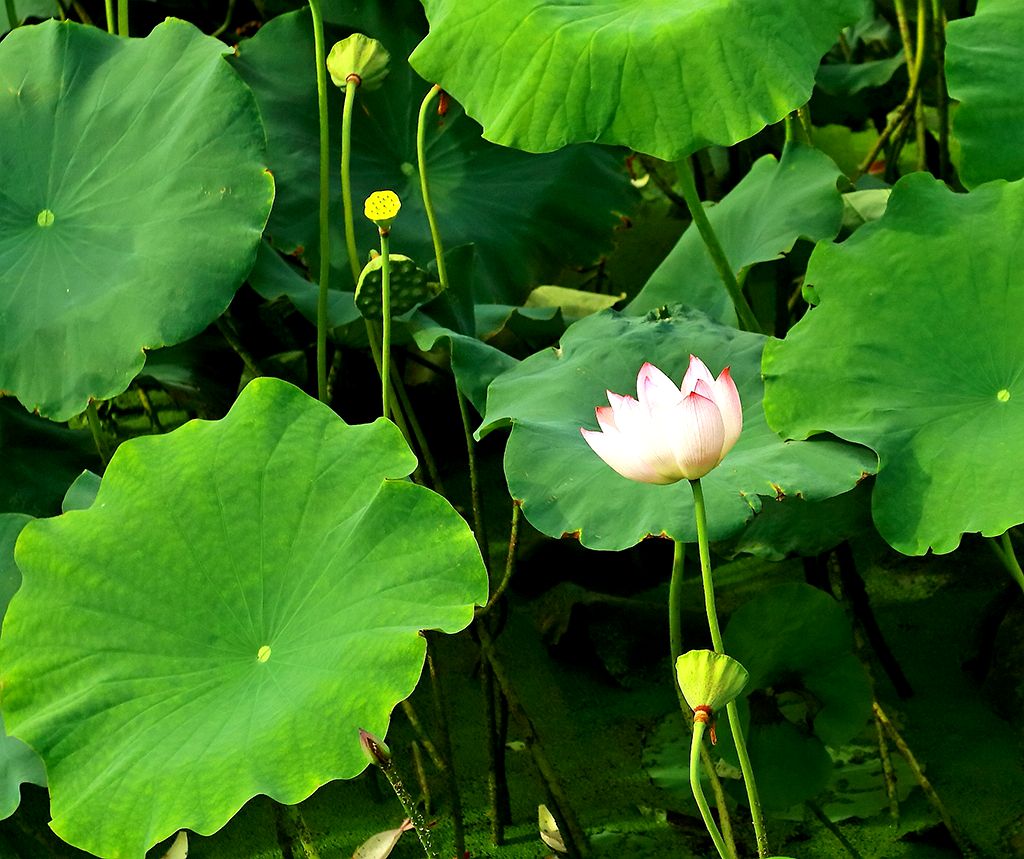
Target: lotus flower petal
[622, 456]
[727, 398]
[655, 389]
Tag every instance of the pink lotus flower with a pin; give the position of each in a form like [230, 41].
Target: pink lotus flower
[669, 434]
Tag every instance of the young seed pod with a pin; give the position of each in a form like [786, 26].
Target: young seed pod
[710, 680]
[361, 56]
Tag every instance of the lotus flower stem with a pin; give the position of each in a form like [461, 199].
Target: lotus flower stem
[346, 176]
[941, 96]
[696, 741]
[122, 18]
[421, 158]
[756, 813]
[411, 811]
[714, 246]
[385, 299]
[675, 626]
[96, 428]
[325, 199]
[441, 717]
[111, 17]
[12, 14]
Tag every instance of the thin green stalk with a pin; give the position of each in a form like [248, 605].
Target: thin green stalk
[941, 96]
[97, 432]
[346, 176]
[385, 299]
[122, 18]
[714, 246]
[402, 405]
[804, 115]
[111, 17]
[12, 14]
[675, 626]
[510, 563]
[421, 159]
[325, 199]
[698, 790]
[226, 22]
[474, 477]
[756, 812]
[1009, 558]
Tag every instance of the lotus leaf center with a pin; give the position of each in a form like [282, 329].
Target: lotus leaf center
[263, 654]
[1003, 396]
[407, 169]
[45, 218]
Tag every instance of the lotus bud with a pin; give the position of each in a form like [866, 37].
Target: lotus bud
[709, 680]
[375, 749]
[382, 207]
[360, 58]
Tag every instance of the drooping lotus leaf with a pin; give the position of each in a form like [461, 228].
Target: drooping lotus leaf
[134, 196]
[775, 204]
[566, 488]
[662, 78]
[18, 763]
[985, 73]
[527, 216]
[914, 349]
[40, 459]
[242, 596]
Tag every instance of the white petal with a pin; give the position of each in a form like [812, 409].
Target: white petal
[630, 417]
[696, 371]
[624, 456]
[690, 436]
[656, 390]
[606, 418]
[727, 398]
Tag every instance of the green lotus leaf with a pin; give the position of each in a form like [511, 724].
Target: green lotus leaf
[134, 197]
[985, 72]
[775, 204]
[527, 216]
[40, 459]
[566, 488]
[914, 349]
[27, 9]
[794, 632]
[662, 78]
[242, 596]
[18, 763]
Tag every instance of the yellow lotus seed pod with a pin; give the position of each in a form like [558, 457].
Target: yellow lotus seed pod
[361, 56]
[382, 207]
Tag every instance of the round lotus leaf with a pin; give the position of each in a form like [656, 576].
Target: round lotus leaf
[915, 349]
[410, 286]
[565, 488]
[134, 197]
[527, 216]
[665, 78]
[985, 72]
[240, 599]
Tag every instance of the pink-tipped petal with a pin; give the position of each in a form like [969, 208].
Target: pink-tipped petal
[696, 371]
[624, 457]
[727, 398]
[606, 418]
[654, 389]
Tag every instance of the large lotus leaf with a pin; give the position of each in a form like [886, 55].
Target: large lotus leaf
[985, 71]
[662, 78]
[134, 197]
[527, 216]
[775, 204]
[566, 488]
[18, 763]
[242, 596]
[915, 350]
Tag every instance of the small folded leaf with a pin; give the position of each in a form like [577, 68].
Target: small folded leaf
[179, 849]
[379, 846]
[549, 833]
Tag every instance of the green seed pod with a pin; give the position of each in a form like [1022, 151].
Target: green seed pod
[361, 56]
[411, 286]
[710, 680]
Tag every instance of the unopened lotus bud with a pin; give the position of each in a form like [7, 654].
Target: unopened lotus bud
[375, 749]
[382, 207]
[709, 680]
[360, 58]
